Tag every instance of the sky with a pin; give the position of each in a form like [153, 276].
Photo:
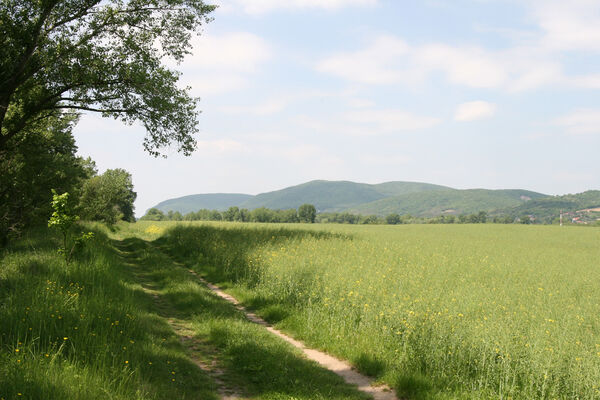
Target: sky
[492, 94]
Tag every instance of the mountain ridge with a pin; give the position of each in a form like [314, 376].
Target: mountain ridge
[401, 197]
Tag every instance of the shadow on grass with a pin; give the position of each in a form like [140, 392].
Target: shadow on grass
[264, 365]
[91, 317]
[272, 370]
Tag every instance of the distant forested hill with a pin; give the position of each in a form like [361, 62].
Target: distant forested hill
[333, 196]
[415, 198]
[448, 201]
[195, 202]
[548, 208]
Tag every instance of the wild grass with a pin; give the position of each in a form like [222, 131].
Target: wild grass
[86, 330]
[469, 311]
[123, 321]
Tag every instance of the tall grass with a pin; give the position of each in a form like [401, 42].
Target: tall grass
[469, 311]
[86, 330]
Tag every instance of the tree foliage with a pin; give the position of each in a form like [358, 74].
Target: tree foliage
[103, 56]
[307, 213]
[63, 219]
[33, 163]
[154, 214]
[108, 197]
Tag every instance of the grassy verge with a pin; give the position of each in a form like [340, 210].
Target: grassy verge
[244, 356]
[123, 321]
[85, 331]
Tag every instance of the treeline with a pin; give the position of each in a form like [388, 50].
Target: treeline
[395, 219]
[43, 158]
[307, 213]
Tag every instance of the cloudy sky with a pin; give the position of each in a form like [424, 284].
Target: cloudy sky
[464, 93]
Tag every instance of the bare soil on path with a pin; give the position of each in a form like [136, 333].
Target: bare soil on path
[340, 367]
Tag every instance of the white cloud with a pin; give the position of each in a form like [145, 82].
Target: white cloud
[390, 60]
[256, 7]
[237, 51]
[220, 64]
[474, 110]
[581, 122]
[568, 25]
[376, 64]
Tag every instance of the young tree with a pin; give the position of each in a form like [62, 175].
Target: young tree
[307, 213]
[101, 56]
[63, 219]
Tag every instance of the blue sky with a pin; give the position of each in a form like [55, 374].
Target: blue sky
[464, 93]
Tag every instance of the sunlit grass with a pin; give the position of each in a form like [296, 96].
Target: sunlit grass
[474, 311]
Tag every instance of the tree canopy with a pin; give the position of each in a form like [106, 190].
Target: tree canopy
[35, 162]
[108, 197]
[103, 56]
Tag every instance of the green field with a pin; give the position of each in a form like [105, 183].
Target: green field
[436, 311]
[470, 311]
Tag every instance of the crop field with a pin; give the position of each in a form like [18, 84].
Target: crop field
[436, 311]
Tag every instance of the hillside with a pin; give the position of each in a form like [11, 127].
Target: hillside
[547, 209]
[326, 196]
[195, 202]
[447, 201]
[397, 188]
[334, 196]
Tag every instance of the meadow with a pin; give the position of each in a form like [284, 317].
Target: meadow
[123, 321]
[437, 311]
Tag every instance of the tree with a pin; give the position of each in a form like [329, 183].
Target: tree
[307, 213]
[108, 197]
[100, 56]
[154, 214]
[261, 214]
[231, 214]
[63, 219]
[33, 163]
[393, 219]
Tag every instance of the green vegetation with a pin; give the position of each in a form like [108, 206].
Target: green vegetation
[107, 57]
[195, 202]
[108, 197]
[305, 213]
[437, 311]
[86, 331]
[547, 210]
[342, 201]
[31, 166]
[63, 219]
[124, 321]
[326, 196]
[447, 201]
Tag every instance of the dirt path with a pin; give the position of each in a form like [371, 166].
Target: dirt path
[340, 367]
[200, 353]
